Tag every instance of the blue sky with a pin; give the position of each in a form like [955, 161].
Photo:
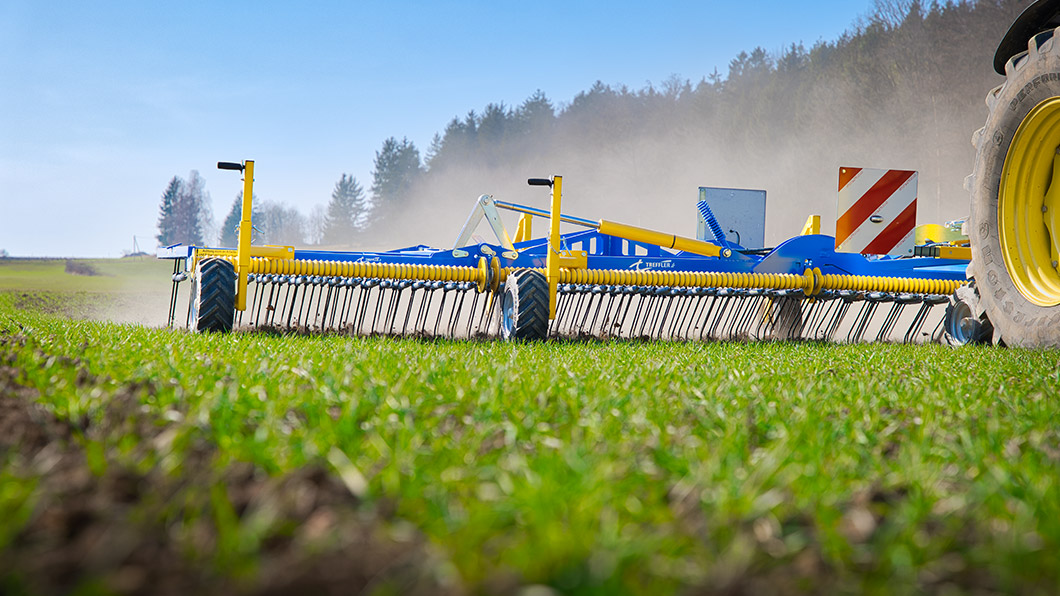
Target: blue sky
[102, 103]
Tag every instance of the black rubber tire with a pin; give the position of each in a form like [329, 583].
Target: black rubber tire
[213, 305]
[524, 306]
[1030, 78]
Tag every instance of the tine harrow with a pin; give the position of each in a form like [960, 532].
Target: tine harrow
[610, 281]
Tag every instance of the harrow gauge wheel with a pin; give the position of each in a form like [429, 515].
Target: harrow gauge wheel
[961, 325]
[213, 304]
[1015, 210]
[524, 306]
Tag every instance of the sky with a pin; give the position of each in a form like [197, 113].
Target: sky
[102, 103]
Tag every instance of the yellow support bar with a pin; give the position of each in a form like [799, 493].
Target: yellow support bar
[662, 239]
[243, 246]
[525, 230]
[812, 226]
[552, 261]
[264, 252]
[955, 252]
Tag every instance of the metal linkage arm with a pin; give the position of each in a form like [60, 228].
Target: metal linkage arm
[628, 232]
[485, 208]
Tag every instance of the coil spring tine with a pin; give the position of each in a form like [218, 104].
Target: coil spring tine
[419, 324]
[316, 307]
[471, 315]
[301, 306]
[269, 308]
[696, 308]
[816, 316]
[754, 308]
[324, 295]
[655, 309]
[734, 312]
[722, 312]
[482, 329]
[575, 311]
[762, 315]
[441, 311]
[651, 300]
[577, 297]
[854, 335]
[340, 306]
[867, 312]
[675, 322]
[489, 320]
[281, 289]
[293, 294]
[665, 314]
[458, 307]
[353, 306]
[704, 321]
[605, 323]
[601, 299]
[391, 308]
[322, 313]
[561, 303]
[936, 335]
[837, 319]
[918, 321]
[685, 299]
[588, 299]
[599, 290]
[659, 319]
[636, 314]
[736, 323]
[666, 304]
[336, 301]
[344, 310]
[889, 321]
[331, 307]
[743, 324]
[642, 302]
[363, 298]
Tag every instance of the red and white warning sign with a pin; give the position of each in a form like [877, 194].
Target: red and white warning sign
[877, 211]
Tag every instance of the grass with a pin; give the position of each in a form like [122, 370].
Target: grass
[624, 467]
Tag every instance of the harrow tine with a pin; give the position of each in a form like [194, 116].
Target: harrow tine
[471, 315]
[872, 301]
[441, 308]
[618, 321]
[928, 302]
[900, 302]
[669, 300]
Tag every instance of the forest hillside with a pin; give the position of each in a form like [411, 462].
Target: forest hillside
[904, 88]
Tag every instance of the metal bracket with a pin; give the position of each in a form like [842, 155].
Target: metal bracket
[485, 208]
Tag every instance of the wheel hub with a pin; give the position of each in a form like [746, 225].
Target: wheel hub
[1029, 205]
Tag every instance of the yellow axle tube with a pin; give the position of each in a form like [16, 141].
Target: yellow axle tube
[662, 239]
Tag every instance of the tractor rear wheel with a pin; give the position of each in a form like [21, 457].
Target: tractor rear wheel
[524, 306]
[1015, 211]
[213, 304]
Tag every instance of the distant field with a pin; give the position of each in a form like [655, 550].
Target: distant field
[133, 457]
[130, 290]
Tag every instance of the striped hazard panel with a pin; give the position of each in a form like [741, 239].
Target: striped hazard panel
[877, 211]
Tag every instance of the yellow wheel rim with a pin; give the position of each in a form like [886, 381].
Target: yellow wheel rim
[1028, 208]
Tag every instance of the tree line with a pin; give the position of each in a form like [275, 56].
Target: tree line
[902, 88]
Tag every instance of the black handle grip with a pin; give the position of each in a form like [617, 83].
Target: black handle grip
[539, 182]
[227, 165]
